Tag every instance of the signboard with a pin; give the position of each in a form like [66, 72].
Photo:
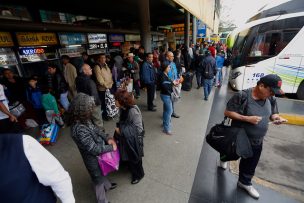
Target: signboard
[97, 38]
[116, 38]
[98, 46]
[6, 39]
[7, 57]
[72, 39]
[132, 38]
[33, 54]
[36, 39]
[72, 51]
[201, 29]
[96, 51]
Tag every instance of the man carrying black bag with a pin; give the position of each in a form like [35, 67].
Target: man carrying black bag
[260, 107]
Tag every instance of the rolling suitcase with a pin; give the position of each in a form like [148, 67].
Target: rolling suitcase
[187, 83]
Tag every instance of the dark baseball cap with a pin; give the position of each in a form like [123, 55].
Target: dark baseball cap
[274, 82]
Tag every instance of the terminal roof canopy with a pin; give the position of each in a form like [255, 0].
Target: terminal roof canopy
[162, 12]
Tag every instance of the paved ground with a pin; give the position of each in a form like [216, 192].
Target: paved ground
[170, 161]
[179, 168]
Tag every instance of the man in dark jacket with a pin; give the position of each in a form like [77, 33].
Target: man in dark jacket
[209, 72]
[199, 69]
[57, 85]
[148, 77]
[86, 85]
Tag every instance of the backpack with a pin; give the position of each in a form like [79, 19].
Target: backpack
[208, 71]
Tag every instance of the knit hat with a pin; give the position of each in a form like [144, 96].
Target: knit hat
[82, 107]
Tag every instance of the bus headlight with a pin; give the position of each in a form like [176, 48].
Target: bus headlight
[235, 75]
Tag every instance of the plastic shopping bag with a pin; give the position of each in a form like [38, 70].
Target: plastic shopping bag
[109, 162]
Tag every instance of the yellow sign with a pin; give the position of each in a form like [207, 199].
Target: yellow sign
[6, 39]
[36, 39]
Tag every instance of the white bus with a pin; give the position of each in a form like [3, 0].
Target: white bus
[271, 42]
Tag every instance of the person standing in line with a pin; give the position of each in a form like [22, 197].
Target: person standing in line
[70, 74]
[29, 173]
[209, 72]
[166, 90]
[104, 81]
[199, 69]
[261, 106]
[130, 132]
[86, 85]
[91, 142]
[57, 85]
[133, 70]
[148, 77]
[219, 59]
[172, 74]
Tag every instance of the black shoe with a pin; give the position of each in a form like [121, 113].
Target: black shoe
[135, 181]
[153, 109]
[154, 105]
[175, 115]
[113, 186]
[198, 87]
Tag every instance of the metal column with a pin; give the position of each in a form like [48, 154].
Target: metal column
[194, 29]
[144, 19]
[187, 28]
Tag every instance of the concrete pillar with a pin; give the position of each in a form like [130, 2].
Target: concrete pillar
[144, 19]
[187, 28]
[194, 29]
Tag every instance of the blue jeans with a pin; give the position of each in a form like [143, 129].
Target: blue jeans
[207, 87]
[167, 112]
[218, 76]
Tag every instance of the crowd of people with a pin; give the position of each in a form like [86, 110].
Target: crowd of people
[77, 97]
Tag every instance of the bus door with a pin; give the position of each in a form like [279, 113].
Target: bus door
[288, 61]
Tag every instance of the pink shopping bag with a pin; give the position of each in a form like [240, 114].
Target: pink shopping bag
[109, 162]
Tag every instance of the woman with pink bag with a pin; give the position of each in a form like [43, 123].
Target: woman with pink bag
[91, 142]
[129, 133]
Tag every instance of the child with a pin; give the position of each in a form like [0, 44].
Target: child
[34, 95]
[50, 106]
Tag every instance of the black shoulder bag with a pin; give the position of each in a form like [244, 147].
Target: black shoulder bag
[227, 139]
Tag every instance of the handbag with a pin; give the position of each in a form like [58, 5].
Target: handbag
[17, 109]
[109, 162]
[111, 108]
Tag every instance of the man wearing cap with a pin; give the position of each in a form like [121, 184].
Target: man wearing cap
[133, 70]
[252, 109]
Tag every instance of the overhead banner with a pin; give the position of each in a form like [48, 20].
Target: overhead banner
[6, 39]
[97, 38]
[201, 29]
[36, 39]
[132, 38]
[72, 39]
[116, 38]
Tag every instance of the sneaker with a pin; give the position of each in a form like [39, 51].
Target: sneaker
[250, 189]
[167, 133]
[223, 164]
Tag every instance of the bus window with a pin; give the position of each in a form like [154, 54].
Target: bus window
[238, 48]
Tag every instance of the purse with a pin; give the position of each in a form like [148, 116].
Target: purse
[17, 109]
[109, 162]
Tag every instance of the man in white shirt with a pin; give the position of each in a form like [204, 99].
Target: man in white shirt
[7, 119]
[29, 173]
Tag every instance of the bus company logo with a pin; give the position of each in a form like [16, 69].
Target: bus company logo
[32, 51]
[29, 38]
[5, 39]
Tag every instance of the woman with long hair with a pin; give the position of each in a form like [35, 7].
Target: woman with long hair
[91, 142]
[129, 133]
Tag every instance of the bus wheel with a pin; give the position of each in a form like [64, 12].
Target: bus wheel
[300, 92]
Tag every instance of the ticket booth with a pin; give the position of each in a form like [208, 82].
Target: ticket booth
[97, 44]
[36, 50]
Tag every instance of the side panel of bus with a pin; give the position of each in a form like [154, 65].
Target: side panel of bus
[288, 63]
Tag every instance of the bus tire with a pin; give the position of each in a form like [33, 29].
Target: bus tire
[300, 92]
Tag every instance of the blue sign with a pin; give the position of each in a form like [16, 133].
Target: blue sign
[201, 29]
[72, 39]
[116, 38]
